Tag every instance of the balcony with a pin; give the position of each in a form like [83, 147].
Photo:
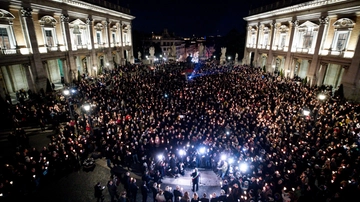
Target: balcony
[7, 51]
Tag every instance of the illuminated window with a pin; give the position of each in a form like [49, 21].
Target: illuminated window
[113, 37]
[343, 29]
[49, 39]
[98, 37]
[308, 39]
[282, 40]
[4, 39]
[266, 39]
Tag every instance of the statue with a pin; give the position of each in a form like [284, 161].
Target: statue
[201, 50]
[152, 51]
[223, 52]
[139, 55]
[173, 50]
[236, 56]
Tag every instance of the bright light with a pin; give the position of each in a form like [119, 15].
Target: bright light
[243, 167]
[229, 57]
[202, 150]
[227, 133]
[161, 56]
[322, 97]
[223, 157]
[306, 112]
[86, 107]
[94, 67]
[160, 157]
[166, 95]
[66, 92]
[107, 64]
[181, 152]
[73, 90]
[231, 160]
[214, 56]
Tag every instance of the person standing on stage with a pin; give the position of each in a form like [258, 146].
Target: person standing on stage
[195, 179]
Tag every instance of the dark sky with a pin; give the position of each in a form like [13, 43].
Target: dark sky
[188, 17]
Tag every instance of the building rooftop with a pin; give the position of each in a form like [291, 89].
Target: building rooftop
[109, 5]
[275, 5]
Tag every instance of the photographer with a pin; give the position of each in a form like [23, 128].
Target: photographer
[98, 192]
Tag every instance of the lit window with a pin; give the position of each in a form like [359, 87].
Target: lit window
[308, 39]
[49, 39]
[98, 37]
[4, 39]
[282, 40]
[266, 39]
[113, 37]
[340, 40]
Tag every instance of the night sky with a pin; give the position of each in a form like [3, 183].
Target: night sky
[190, 17]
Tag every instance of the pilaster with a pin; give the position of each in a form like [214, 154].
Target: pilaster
[288, 54]
[69, 56]
[256, 45]
[311, 74]
[36, 69]
[350, 79]
[270, 54]
[321, 73]
[109, 52]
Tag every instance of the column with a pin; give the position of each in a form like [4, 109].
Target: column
[122, 43]
[90, 33]
[256, 44]
[92, 60]
[311, 74]
[109, 52]
[288, 60]
[321, 73]
[131, 51]
[30, 77]
[350, 79]
[36, 70]
[69, 56]
[245, 59]
[67, 76]
[270, 55]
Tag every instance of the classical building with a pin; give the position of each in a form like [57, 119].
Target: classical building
[317, 40]
[166, 42]
[50, 40]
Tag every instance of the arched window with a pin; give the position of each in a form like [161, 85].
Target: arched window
[343, 28]
[7, 37]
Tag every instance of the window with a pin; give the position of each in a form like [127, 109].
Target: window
[340, 40]
[4, 39]
[253, 39]
[98, 37]
[282, 40]
[308, 39]
[79, 40]
[266, 39]
[114, 37]
[49, 40]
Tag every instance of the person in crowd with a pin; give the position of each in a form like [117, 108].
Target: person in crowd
[155, 191]
[169, 196]
[178, 194]
[99, 192]
[144, 191]
[204, 198]
[195, 180]
[133, 190]
[160, 197]
[185, 197]
[112, 190]
[195, 197]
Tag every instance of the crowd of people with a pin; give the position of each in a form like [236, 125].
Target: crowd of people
[247, 125]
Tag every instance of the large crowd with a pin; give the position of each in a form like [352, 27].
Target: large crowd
[247, 125]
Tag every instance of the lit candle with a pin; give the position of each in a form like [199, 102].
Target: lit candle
[245, 192]
[11, 182]
[293, 189]
[245, 197]
[220, 184]
[34, 176]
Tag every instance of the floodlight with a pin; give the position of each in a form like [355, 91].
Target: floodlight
[322, 97]
[202, 150]
[231, 160]
[66, 92]
[223, 157]
[243, 167]
[182, 152]
[86, 107]
[160, 157]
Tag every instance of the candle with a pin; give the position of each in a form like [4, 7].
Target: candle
[34, 176]
[293, 189]
[245, 192]
[245, 197]
[11, 182]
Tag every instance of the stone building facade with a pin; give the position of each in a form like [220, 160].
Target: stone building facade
[59, 39]
[317, 40]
